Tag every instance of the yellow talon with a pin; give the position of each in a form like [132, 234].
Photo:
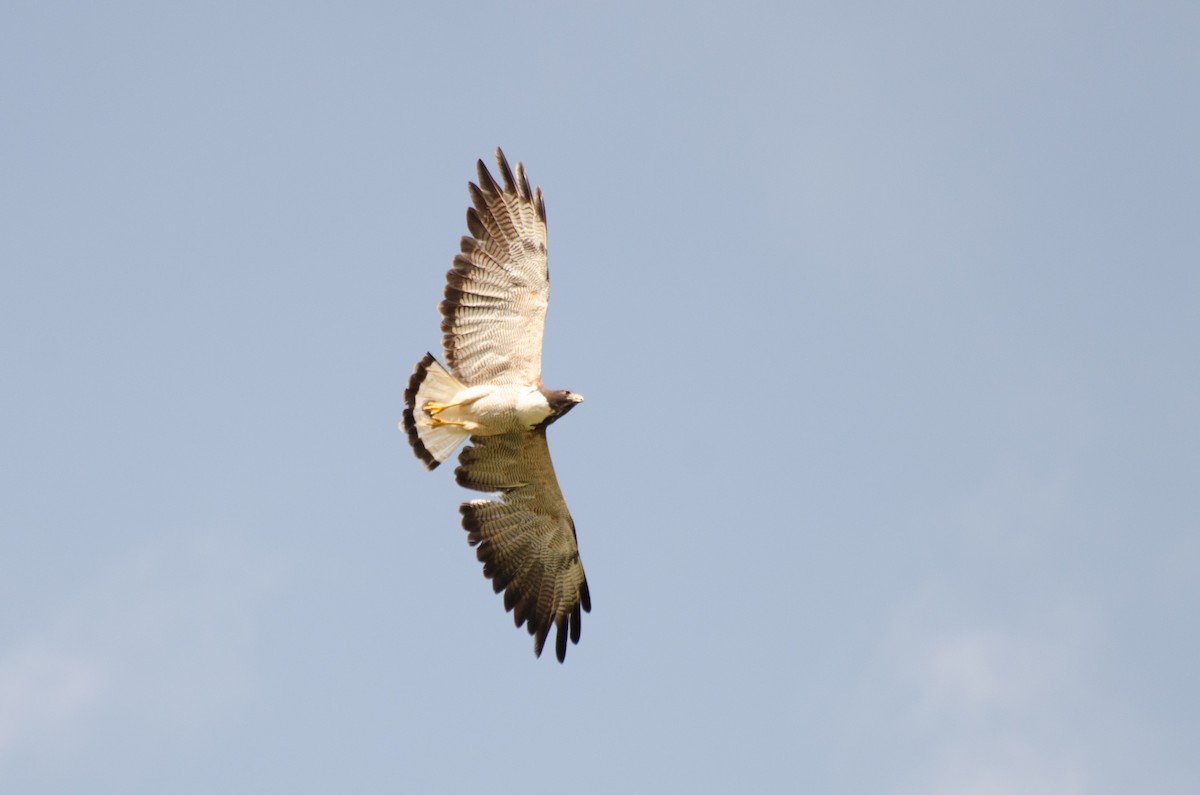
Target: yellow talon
[438, 422]
[433, 409]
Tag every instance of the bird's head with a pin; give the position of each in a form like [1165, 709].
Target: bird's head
[561, 401]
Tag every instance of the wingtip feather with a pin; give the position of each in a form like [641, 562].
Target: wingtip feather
[560, 642]
[487, 182]
[510, 183]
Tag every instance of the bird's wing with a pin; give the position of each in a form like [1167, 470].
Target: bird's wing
[499, 286]
[526, 538]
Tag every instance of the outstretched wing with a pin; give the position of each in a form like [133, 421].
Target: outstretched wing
[526, 539]
[497, 291]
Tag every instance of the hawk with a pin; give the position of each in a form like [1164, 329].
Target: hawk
[492, 395]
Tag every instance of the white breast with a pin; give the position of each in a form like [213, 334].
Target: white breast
[501, 409]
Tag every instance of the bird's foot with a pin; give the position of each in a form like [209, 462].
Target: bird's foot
[433, 409]
[437, 422]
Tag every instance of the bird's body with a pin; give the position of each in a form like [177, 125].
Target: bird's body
[491, 409]
[492, 394]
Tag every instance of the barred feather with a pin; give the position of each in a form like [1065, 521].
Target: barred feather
[525, 539]
[499, 285]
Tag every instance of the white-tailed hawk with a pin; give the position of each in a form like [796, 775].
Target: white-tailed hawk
[492, 394]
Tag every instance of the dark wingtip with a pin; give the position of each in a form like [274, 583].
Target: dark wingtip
[576, 623]
[510, 182]
[560, 640]
[487, 183]
[585, 597]
[474, 222]
[539, 641]
[517, 181]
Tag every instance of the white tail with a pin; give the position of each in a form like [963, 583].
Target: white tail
[431, 382]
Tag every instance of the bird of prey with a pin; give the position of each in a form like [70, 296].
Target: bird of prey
[492, 395]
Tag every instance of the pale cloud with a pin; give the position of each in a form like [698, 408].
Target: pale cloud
[160, 635]
[976, 673]
[972, 707]
[1009, 767]
[43, 689]
[994, 704]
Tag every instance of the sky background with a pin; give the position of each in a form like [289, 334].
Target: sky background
[888, 320]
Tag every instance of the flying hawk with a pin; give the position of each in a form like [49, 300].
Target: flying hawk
[492, 394]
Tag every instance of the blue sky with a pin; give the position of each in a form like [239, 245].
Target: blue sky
[887, 317]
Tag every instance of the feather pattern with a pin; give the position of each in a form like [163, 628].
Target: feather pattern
[525, 539]
[497, 291]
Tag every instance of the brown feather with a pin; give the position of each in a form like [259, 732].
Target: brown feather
[526, 538]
